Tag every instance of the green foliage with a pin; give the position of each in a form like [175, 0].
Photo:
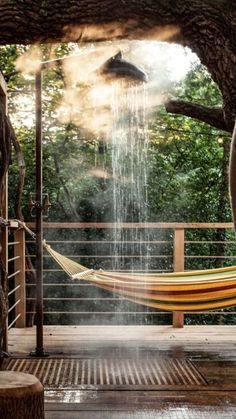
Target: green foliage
[199, 87]
[185, 160]
[188, 160]
[187, 164]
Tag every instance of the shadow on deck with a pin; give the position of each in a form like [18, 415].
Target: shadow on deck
[132, 371]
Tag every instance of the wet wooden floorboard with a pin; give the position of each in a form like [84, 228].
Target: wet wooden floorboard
[146, 405]
[70, 339]
[178, 413]
[210, 348]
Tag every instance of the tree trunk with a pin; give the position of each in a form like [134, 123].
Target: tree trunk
[21, 396]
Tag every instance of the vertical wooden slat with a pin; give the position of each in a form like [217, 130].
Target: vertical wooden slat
[19, 250]
[178, 316]
[4, 210]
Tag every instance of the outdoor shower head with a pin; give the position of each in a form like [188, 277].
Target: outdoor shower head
[118, 68]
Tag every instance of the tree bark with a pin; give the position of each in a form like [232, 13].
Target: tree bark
[21, 396]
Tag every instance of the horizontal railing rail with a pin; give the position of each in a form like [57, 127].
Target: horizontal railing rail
[134, 225]
[174, 247]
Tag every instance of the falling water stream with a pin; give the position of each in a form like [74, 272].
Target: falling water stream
[129, 139]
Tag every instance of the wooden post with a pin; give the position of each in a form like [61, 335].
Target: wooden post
[178, 316]
[39, 350]
[4, 209]
[19, 266]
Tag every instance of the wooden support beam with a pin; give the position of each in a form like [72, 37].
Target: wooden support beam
[178, 316]
[178, 319]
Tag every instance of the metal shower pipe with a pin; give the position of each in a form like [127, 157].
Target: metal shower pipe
[116, 67]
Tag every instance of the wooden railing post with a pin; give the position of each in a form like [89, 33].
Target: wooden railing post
[178, 265]
[19, 266]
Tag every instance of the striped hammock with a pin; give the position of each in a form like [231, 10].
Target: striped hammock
[180, 291]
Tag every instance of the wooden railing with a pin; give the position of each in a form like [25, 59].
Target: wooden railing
[16, 277]
[4, 208]
[172, 237]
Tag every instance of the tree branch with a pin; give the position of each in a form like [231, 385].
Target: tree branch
[213, 116]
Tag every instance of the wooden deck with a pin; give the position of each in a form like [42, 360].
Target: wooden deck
[204, 386]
